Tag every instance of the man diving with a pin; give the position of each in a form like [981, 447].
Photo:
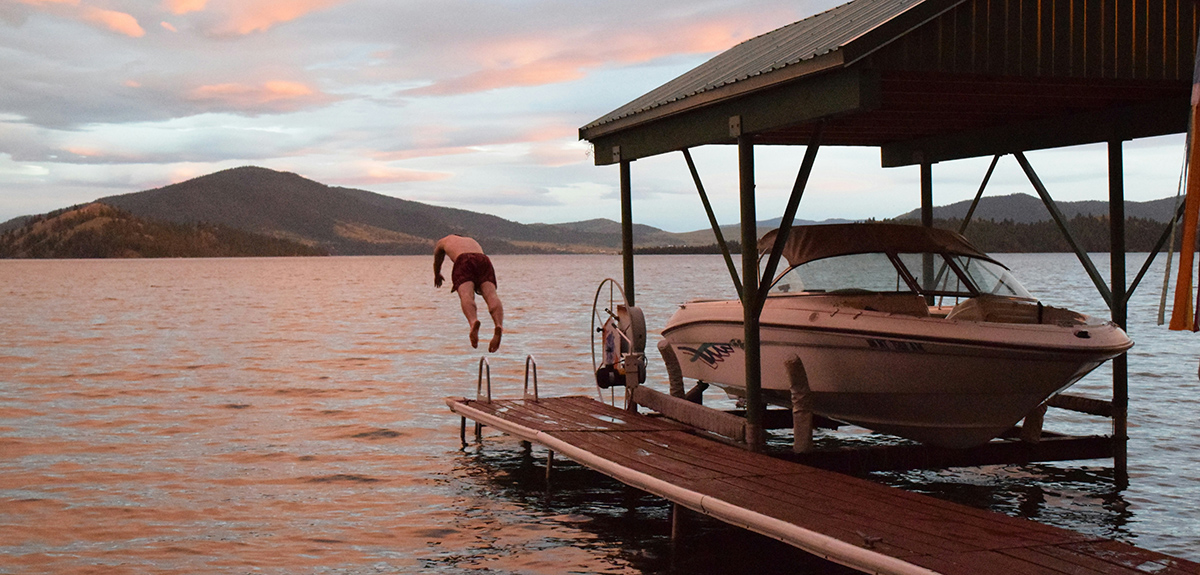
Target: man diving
[473, 274]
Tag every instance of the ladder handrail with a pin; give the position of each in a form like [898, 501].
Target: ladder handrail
[479, 383]
[529, 359]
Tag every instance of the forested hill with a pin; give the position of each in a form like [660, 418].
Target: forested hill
[1091, 232]
[1027, 209]
[342, 221]
[101, 231]
[347, 221]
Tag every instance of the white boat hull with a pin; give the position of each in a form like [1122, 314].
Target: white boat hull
[942, 382]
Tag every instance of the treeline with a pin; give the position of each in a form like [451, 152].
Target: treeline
[101, 231]
[735, 247]
[1090, 232]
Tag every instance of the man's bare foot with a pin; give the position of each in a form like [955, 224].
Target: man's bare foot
[475, 334]
[495, 345]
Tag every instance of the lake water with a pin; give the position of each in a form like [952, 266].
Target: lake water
[287, 416]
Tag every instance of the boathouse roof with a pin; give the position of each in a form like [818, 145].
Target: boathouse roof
[930, 80]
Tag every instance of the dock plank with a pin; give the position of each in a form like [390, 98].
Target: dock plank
[901, 499]
[985, 529]
[1067, 561]
[809, 514]
[574, 416]
[1134, 558]
[634, 457]
[892, 524]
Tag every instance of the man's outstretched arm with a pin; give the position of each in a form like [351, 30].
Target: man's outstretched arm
[439, 254]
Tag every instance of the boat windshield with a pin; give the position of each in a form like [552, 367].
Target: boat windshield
[872, 272]
[925, 273]
[991, 278]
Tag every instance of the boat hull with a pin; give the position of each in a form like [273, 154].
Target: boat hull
[941, 382]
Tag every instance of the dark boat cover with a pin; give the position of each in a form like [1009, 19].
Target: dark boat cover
[809, 243]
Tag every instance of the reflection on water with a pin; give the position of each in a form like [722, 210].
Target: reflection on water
[1084, 498]
[287, 415]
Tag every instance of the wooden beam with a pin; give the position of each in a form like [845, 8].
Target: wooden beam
[822, 96]
[693, 414]
[1155, 118]
[1081, 404]
[1002, 451]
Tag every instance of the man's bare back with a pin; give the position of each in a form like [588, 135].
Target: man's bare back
[454, 246]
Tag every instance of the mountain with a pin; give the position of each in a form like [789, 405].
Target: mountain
[101, 231]
[348, 221]
[1027, 209]
[355, 222]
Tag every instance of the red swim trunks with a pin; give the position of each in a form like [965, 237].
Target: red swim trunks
[472, 267]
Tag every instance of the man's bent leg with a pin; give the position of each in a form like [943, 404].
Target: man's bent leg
[496, 310]
[466, 297]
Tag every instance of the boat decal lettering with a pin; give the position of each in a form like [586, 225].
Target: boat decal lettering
[895, 345]
[709, 353]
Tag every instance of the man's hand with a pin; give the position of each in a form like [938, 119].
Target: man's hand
[437, 280]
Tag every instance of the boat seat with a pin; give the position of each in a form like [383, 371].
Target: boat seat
[902, 303]
[998, 309]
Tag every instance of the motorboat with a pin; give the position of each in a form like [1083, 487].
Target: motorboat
[900, 329]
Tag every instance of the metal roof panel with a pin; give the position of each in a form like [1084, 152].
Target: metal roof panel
[807, 39]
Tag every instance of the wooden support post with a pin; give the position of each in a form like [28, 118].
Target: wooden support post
[674, 372]
[627, 231]
[462, 431]
[677, 526]
[802, 406]
[549, 467]
[1116, 221]
[927, 221]
[696, 393]
[755, 437]
[1031, 428]
[478, 431]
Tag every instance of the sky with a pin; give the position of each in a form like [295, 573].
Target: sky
[467, 104]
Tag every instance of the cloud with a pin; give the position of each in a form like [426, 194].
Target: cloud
[241, 17]
[111, 20]
[377, 175]
[559, 154]
[537, 58]
[274, 96]
[118, 22]
[184, 6]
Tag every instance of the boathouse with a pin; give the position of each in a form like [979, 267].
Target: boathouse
[926, 81]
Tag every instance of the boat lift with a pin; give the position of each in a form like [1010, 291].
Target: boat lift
[926, 82]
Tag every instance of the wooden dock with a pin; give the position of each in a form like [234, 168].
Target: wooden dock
[864, 525]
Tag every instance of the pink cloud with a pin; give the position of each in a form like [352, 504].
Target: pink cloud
[422, 152]
[111, 20]
[374, 175]
[184, 6]
[48, 2]
[533, 74]
[168, 26]
[536, 61]
[243, 17]
[270, 96]
[557, 155]
[118, 22]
